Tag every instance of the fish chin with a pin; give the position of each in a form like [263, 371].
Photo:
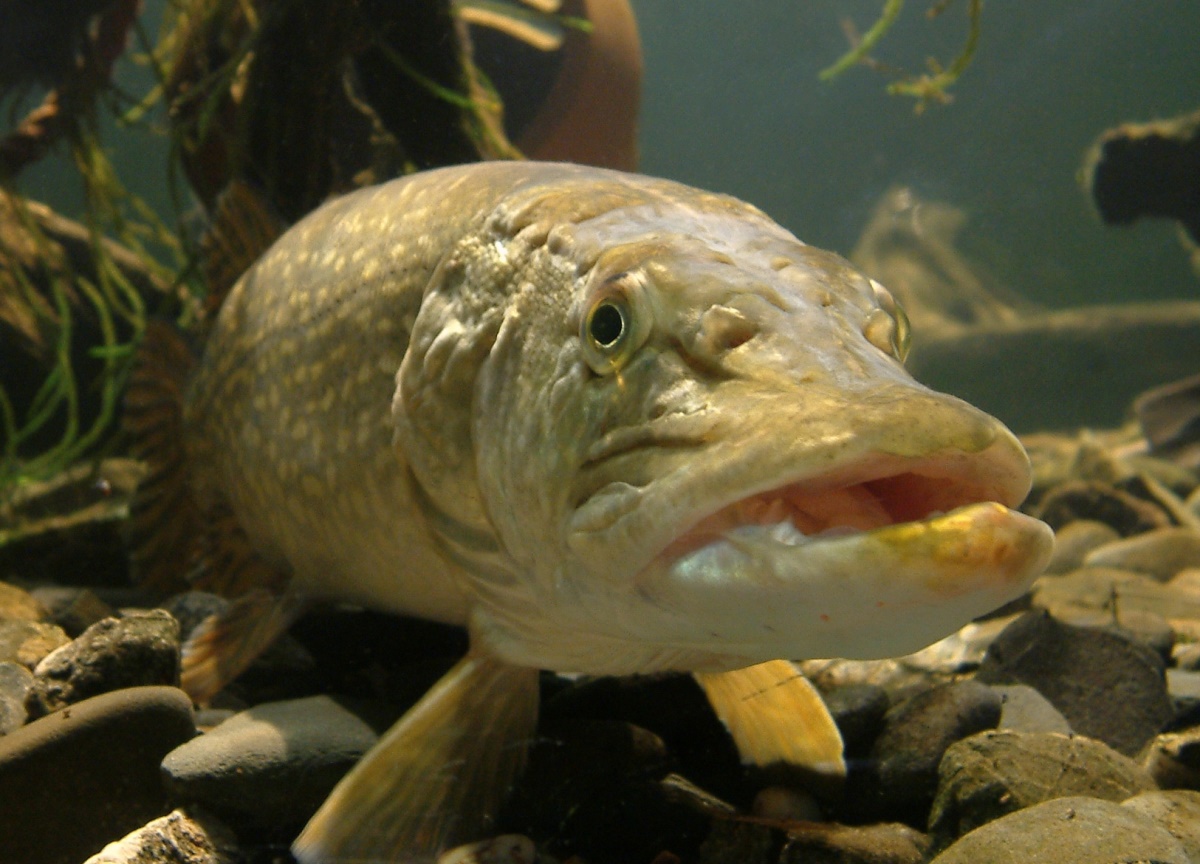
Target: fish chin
[794, 588]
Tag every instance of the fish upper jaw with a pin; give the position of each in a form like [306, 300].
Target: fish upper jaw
[871, 543]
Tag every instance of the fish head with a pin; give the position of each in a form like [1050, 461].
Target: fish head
[697, 447]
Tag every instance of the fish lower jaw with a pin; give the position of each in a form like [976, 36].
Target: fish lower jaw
[771, 590]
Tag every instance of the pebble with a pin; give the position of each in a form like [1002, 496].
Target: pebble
[1159, 554]
[180, 837]
[1176, 810]
[1075, 500]
[1184, 686]
[17, 604]
[272, 765]
[1187, 657]
[781, 803]
[73, 609]
[902, 777]
[858, 711]
[1108, 687]
[27, 642]
[134, 651]
[85, 776]
[505, 849]
[1099, 589]
[1075, 830]
[1075, 540]
[15, 682]
[608, 799]
[1026, 710]
[192, 608]
[1173, 759]
[883, 843]
[991, 774]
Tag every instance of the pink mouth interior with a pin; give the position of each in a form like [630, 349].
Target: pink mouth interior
[860, 506]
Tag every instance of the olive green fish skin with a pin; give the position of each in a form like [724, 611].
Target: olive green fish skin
[401, 404]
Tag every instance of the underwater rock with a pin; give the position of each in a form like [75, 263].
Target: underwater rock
[1173, 759]
[597, 789]
[900, 780]
[1187, 657]
[27, 642]
[269, 768]
[1026, 710]
[180, 837]
[1076, 830]
[16, 604]
[1074, 500]
[15, 682]
[1075, 540]
[1176, 810]
[73, 609]
[858, 711]
[1109, 687]
[87, 775]
[1160, 553]
[994, 773]
[885, 843]
[741, 841]
[505, 849]
[137, 650]
[1089, 590]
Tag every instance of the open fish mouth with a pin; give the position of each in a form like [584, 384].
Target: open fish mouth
[874, 566]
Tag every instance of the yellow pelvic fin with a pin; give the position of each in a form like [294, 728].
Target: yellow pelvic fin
[243, 226]
[776, 716]
[436, 779]
[164, 523]
[225, 644]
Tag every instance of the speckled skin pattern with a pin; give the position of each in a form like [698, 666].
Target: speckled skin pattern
[401, 405]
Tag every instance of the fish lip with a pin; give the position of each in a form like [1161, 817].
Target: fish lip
[909, 490]
[881, 593]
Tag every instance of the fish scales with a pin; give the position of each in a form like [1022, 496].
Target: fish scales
[611, 424]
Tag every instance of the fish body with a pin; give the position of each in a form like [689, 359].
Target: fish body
[610, 424]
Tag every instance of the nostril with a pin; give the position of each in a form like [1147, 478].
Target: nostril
[723, 328]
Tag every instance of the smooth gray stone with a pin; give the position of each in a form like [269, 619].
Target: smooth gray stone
[1108, 686]
[134, 651]
[1074, 830]
[85, 776]
[1026, 710]
[991, 774]
[272, 765]
[902, 776]
[1176, 810]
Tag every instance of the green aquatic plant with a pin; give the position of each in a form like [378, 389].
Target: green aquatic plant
[928, 87]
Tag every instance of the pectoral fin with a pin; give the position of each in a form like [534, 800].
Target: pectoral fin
[224, 645]
[436, 778]
[775, 715]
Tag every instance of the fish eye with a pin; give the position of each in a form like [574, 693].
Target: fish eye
[606, 324]
[893, 334]
[616, 324]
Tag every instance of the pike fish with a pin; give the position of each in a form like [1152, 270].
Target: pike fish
[609, 424]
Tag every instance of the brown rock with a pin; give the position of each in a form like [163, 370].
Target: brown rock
[1075, 830]
[180, 837]
[885, 843]
[85, 776]
[16, 604]
[1160, 553]
[991, 774]
[27, 642]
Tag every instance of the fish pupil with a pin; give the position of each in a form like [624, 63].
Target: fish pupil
[607, 325]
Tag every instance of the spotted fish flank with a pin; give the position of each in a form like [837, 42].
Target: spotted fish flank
[611, 425]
